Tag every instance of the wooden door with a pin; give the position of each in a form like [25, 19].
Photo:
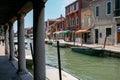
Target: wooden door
[118, 37]
[96, 35]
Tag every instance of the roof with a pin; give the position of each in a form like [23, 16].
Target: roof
[10, 8]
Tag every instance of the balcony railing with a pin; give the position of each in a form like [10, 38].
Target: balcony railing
[117, 13]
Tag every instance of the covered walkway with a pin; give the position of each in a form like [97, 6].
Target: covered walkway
[7, 70]
[16, 10]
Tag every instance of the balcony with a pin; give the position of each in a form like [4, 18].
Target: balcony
[117, 13]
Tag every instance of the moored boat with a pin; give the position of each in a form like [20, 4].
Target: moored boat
[89, 51]
[62, 43]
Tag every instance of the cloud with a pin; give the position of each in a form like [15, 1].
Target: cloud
[65, 3]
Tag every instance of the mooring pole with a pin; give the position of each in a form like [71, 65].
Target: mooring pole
[59, 61]
[105, 42]
[31, 48]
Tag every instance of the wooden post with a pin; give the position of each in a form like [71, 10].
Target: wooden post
[105, 42]
[59, 61]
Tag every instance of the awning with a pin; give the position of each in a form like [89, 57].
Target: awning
[64, 31]
[81, 31]
[57, 32]
[48, 34]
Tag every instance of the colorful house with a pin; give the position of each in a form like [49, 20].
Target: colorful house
[72, 13]
[106, 21]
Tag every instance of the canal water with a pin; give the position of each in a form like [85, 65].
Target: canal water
[84, 67]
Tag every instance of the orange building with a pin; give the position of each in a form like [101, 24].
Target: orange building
[86, 24]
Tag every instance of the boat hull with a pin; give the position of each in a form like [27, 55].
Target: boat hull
[62, 45]
[88, 51]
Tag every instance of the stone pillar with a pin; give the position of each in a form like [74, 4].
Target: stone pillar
[11, 39]
[6, 39]
[21, 45]
[38, 40]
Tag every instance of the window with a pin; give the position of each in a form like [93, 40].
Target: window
[77, 6]
[88, 21]
[72, 21]
[71, 8]
[97, 11]
[67, 10]
[109, 7]
[77, 21]
[82, 22]
[108, 32]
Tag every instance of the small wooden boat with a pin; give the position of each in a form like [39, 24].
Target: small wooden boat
[89, 51]
[62, 43]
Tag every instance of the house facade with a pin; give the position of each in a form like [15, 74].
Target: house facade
[73, 17]
[86, 24]
[72, 14]
[104, 22]
[29, 32]
[54, 26]
[117, 19]
[60, 26]
[50, 28]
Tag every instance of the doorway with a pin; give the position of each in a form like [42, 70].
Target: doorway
[118, 37]
[96, 35]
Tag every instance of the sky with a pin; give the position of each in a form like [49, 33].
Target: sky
[53, 9]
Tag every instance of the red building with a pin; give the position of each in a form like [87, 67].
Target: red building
[60, 24]
[53, 26]
[73, 16]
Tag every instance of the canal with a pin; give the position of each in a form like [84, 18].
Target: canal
[84, 67]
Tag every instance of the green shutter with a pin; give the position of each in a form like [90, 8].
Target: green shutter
[109, 8]
[117, 4]
[97, 10]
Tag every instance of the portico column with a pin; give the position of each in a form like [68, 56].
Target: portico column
[6, 39]
[21, 45]
[11, 39]
[38, 40]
